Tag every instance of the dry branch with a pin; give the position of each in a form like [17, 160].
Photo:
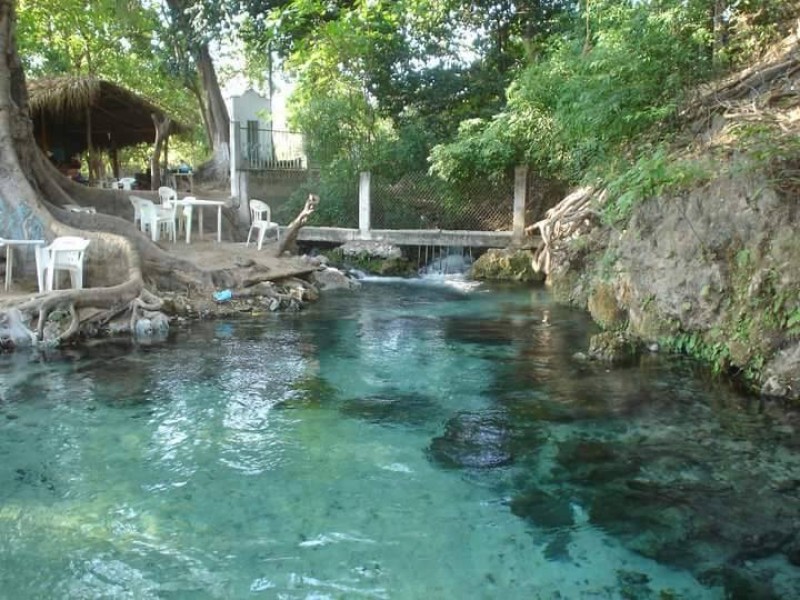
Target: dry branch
[290, 235]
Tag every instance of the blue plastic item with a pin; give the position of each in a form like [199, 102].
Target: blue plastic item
[223, 295]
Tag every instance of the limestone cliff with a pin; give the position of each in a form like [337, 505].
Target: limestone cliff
[710, 265]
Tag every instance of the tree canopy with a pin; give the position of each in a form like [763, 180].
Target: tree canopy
[487, 83]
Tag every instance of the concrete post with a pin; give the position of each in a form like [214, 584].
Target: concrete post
[244, 196]
[520, 198]
[234, 158]
[238, 176]
[364, 224]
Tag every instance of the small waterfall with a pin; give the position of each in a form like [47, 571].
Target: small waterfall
[445, 261]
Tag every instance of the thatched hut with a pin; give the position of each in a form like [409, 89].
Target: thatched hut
[74, 114]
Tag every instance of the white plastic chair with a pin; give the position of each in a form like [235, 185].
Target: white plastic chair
[261, 220]
[137, 213]
[166, 195]
[154, 218]
[64, 254]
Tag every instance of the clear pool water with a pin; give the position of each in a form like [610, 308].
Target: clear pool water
[407, 441]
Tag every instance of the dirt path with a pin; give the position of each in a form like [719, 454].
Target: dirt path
[212, 255]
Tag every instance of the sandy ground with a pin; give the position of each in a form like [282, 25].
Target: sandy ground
[209, 254]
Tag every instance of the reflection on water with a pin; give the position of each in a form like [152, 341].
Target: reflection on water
[411, 440]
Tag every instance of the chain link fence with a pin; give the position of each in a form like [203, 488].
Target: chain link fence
[422, 201]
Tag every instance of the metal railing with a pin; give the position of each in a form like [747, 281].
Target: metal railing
[270, 150]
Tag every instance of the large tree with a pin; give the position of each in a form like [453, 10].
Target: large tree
[194, 23]
[126, 269]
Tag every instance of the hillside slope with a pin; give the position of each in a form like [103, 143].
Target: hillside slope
[707, 261]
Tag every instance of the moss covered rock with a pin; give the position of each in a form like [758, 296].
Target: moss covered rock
[505, 265]
[394, 266]
[613, 347]
[604, 307]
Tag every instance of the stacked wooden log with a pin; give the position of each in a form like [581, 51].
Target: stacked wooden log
[567, 219]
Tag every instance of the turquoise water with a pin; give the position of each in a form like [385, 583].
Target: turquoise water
[406, 441]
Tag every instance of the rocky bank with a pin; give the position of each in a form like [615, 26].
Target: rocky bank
[710, 267]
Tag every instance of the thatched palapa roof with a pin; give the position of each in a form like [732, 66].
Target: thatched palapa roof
[119, 117]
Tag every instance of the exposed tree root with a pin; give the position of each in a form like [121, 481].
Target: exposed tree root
[567, 219]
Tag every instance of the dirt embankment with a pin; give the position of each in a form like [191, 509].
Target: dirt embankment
[711, 268]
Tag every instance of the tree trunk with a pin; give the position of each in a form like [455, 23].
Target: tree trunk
[213, 105]
[219, 120]
[195, 89]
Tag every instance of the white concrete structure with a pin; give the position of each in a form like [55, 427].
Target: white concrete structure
[251, 138]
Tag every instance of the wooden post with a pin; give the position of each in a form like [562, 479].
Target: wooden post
[520, 199]
[115, 160]
[89, 148]
[364, 224]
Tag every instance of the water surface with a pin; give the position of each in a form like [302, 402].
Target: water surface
[407, 441]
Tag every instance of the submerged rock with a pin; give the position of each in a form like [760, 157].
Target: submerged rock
[543, 509]
[473, 440]
[393, 407]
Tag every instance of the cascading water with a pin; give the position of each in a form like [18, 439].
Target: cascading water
[447, 261]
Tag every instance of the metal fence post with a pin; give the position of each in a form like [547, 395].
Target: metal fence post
[520, 198]
[364, 224]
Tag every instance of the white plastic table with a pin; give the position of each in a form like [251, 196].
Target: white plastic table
[191, 201]
[9, 244]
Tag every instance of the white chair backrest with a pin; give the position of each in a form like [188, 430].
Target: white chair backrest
[166, 195]
[126, 183]
[147, 209]
[259, 211]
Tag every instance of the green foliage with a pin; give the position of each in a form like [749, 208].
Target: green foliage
[479, 149]
[772, 150]
[755, 24]
[716, 354]
[588, 99]
[338, 205]
[652, 175]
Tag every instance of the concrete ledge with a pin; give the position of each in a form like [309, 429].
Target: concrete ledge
[413, 237]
